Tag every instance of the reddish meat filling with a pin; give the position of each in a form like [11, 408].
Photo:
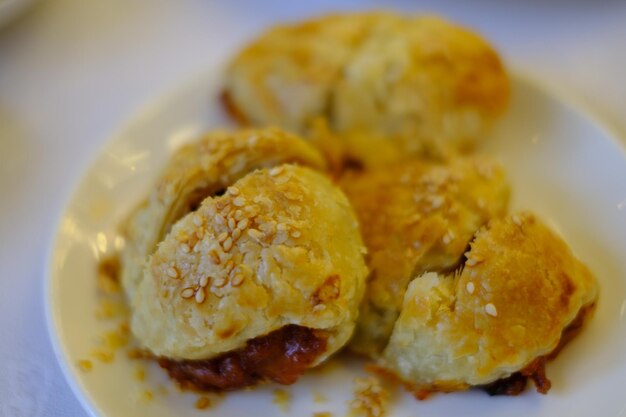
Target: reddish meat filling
[281, 356]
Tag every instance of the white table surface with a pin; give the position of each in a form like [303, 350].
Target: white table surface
[71, 71]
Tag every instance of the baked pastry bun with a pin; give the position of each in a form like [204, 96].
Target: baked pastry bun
[415, 217]
[199, 170]
[518, 297]
[261, 282]
[390, 87]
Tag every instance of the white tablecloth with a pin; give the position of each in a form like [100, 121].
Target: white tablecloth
[71, 71]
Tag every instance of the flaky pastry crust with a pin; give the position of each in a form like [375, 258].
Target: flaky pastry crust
[281, 246]
[391, 87]
[517, 292]
[416, 217]
[199, 170]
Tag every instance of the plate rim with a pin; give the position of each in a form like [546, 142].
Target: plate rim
[69, 371]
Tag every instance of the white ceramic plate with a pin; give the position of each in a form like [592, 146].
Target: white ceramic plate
[560, 163]
[9, 9]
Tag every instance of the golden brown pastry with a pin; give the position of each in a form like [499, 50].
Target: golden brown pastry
[390, 87]
[199, 170]
[286, 76]
[416, 217]
[261, 282]
[518, 297]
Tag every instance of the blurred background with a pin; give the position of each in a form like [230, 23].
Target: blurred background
[72, 71]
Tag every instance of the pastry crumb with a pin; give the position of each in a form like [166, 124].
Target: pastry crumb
[85, 365]
[146, 396]
[319, 398]
[140, 373]
[323, 414]
[108, 273]
[110, 309]
[103, 355]
[282, 399]
[137, 353]
[203, 402]
[117, 338]
[370, 398]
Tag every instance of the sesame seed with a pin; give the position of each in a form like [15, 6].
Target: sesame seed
[85, 365]
[200, 294]
[237, 280]
[197, 220]
[239, 201]
[267, 227]
[293, 196]
[516, 219]
[319, 307]
[231, 223]
[255, 234]
[446, 239]
[233, 190]
[187, 292]
[185, 248]
[282, 227]
[275, 171]
[222, 237]
[243, 224]
[219, 219]
[296, 234]
[219, 282]
[229, 266]
[491, 310]
[204, 281]
[228, 243]
[215, 257]
[473, 261]
[172, 272]
[436, 201]
[470, 287]
[236, 234]
[485, 171]
[238, 215]
[252, 210]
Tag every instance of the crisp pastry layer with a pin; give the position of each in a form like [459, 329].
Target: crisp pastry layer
[389, 86]
[416, 217]
[199, 170]
[280, 247]
[505, 310]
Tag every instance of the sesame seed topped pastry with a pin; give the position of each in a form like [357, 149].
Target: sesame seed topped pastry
[196, 171]
[416, 217]
[519, 296]
[259, 283]
[390, 87]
